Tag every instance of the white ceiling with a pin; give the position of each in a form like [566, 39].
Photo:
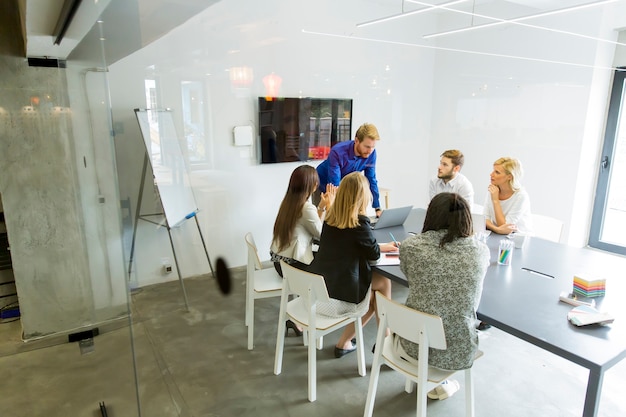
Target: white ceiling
[156, 18]
[151, 19]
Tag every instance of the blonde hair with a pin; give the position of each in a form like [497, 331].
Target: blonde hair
[512, 167]
[353, 197]
[367, 130]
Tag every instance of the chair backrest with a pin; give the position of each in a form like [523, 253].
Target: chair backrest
[477, 209]
[547, 228]
[478, 222]
[253, 254]
[305, 284]
[409, 323]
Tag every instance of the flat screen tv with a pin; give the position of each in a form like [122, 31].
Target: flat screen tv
[302, 129]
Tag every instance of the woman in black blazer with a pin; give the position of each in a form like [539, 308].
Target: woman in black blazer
[347, 247]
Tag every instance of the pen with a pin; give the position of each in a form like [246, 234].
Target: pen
[394, 240]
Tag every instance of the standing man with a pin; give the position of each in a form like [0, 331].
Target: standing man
[449, 178]
[350, 156]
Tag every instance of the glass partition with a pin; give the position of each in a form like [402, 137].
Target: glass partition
[66, 346]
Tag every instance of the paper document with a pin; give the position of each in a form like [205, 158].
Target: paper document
[585, 315]
[389, 258]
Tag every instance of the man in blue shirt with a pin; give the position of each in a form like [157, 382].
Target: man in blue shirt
[351, 156]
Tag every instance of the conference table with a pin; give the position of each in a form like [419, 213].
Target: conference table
[522, 299]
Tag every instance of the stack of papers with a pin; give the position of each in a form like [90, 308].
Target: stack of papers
[587, 288]
[586, 315]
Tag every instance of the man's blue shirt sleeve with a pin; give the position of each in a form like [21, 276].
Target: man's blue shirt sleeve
[370, 174]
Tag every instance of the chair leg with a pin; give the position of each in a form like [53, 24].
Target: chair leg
[280, 337]
[469, 394]
[320, 343]
[250, 321]
[358, 326]
[409, 386]
[312, 366]
[421, 399]
[373, 386]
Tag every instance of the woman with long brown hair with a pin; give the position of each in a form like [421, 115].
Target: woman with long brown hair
[299, 222]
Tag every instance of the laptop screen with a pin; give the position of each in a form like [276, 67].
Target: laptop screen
[392, 217]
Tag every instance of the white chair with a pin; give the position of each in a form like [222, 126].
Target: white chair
[418, 327]
[477, 209]
[260, 283]
[546, 227]
[311, 289]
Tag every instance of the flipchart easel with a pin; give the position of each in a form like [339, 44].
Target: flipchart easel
[171, 183]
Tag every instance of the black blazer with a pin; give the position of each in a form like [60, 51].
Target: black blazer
[343, 260]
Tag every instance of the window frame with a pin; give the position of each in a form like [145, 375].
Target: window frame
[617, 104]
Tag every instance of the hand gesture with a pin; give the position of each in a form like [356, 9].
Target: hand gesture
[494, 192]
[328, 198]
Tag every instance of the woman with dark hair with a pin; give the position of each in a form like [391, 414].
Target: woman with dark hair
[445, 268]
[299, 222]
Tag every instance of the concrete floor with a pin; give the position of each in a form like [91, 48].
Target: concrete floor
[195, 363]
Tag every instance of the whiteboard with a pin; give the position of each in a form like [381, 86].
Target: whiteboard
[169, 166]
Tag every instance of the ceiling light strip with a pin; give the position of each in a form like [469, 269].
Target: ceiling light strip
[516, 21]
[466, 51]
[411, 13]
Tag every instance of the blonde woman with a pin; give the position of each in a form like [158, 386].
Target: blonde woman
[347, 247]
[507, 207]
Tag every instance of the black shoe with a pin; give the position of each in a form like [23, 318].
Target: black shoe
[339, 353]
[483, 326]
[291, 325]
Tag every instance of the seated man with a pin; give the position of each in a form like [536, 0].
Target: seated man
[449, 178]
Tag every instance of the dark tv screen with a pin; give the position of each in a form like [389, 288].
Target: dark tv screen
[302, 129]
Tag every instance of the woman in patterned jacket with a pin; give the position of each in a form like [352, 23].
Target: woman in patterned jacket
[445, 268]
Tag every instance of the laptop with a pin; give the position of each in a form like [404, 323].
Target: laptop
[392, 217]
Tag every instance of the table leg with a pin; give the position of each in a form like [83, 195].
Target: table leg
[594, 389]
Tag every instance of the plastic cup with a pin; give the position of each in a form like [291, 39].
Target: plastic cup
[505, 252]
[520, 240]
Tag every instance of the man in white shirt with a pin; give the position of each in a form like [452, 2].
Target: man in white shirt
[449, 178]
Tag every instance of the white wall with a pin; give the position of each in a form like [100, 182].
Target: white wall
[424, 99]
[541, 98]
[237, 194]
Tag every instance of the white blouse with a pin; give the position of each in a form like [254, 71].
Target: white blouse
[516, 210]
[308, 227]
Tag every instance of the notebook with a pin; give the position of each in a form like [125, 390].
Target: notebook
[392, 217]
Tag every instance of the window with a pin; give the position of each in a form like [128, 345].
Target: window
[608, 222]
[151, 96]
[193, 121]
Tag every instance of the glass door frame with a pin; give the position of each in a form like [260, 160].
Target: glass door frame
[617, 105]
